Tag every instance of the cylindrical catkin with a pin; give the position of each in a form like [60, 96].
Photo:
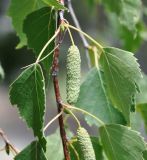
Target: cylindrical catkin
[85, 144]
[73, 74]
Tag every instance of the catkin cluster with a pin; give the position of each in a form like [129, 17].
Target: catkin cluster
[85, 144]
[73, 74]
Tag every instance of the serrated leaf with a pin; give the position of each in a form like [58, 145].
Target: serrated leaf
[76, 149]
[121, 143]
[128, 12]
[54, 147]
[32, 152]
[121, 74]
[28, 93]
[18, 11]
[39, 27]
[2, 75]
[93, 99]
[54, 3]
[142, 108]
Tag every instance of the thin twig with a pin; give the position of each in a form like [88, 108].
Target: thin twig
[76, 22]
[74, 116]
[100, 47]
[46, 45]
[83, 111]
[52, 120]
[8, 145]
[55, 69]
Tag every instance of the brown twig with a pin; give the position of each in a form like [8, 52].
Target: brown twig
[59, 104]
[8, 145]
[55, 69]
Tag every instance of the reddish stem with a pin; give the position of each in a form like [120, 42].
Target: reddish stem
[59, 104]
[55, 69]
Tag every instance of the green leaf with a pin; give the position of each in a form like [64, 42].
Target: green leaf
[136, 121]
[121, 74]
[2, 74]
[39, 27]
[142, 96]
[121, 143]
[145, 155]
[32, 152]
[54, 3]
[54, 147]
[142, 108]
[93, 98]
[75, 148]
[128, 11]
[28, 93]
[18, 11]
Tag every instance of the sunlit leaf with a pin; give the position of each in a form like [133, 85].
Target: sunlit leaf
[121, 74]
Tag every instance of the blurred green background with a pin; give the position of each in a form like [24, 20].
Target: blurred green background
[94, 21]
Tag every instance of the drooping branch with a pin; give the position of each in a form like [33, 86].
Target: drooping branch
[77, 24]
[55, 70]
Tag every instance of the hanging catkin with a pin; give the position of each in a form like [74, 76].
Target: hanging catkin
[73, 74]
[85, 144]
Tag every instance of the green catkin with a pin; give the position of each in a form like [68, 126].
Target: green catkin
[73, 74]
[85, 144]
